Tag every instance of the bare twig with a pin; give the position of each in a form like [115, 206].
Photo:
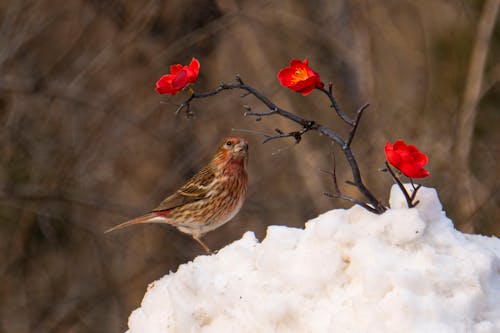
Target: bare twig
[334, 105]
[409, 199]
[297, 135]
[359, 113]
[413, 195]
[338, 194]
[258, 115]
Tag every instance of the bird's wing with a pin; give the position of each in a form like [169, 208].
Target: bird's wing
[195, 189]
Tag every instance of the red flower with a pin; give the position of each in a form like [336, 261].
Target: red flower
[407, 159]
[299, 77]
[179, 77]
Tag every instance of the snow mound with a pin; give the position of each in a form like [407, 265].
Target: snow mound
[407, 270]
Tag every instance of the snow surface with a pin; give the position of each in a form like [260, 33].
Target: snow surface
[407, 270]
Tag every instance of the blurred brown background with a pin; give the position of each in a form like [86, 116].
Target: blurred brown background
[86, 143]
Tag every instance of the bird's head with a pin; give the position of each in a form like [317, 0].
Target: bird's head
[234, 148]
[232, 151]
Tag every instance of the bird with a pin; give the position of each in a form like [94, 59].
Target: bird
[209, 199]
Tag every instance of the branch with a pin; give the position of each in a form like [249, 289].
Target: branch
[353, 200]
[409, 199]
[414, 194]
[334, 105]
[357, 181]
[307, 125]
[297, 135]
[338, 194]
[258, 115]
[359, 113]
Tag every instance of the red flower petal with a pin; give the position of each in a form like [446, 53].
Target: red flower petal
[164, 84]
[419, 158]
[285, 76]
[299, 77]
[174, 69]
[179, 77]
[195, 65]
[305, 87]
[413, 171]
[407, 159]
[192, 70]
[180, 80]
[399, 145]
[392, 157]
[296, 63]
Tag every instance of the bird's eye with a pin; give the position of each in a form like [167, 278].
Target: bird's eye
[229, 143]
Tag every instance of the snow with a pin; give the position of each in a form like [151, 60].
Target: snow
[407, 270]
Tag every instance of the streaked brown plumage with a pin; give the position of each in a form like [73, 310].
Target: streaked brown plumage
[209, 199]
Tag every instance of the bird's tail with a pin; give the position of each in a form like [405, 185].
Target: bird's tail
[148, 218]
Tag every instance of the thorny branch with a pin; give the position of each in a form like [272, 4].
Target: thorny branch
[372, 204]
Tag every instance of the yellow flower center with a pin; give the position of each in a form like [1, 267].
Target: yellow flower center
[300, 75]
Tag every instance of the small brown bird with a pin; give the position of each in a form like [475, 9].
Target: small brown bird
[209, 199]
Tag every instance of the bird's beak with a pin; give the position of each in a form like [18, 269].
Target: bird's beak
[241, 148]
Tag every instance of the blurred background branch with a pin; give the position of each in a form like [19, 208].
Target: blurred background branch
[86, 143]
[471, 192]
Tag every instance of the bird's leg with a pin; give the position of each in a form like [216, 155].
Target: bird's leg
[203, 245]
